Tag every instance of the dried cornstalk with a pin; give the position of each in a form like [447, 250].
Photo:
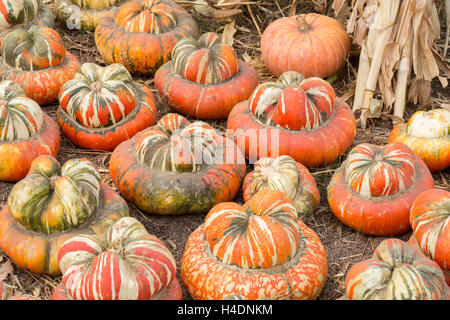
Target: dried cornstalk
[217, 9]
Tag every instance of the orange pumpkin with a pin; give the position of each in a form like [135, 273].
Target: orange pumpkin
[205, 79]
[36, 59]
[430, 221]
[285, 175]
[374, 189]
[294, 116]
[259, 250]
[396, 271]
[141, 34]
[101, 107]
[427, 133]
[312, 44]
[26, 132]
[177, 167]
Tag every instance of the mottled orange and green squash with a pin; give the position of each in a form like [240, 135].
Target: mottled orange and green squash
[286, 175]
[102, 107]
[259, 250]
[312, 44]
[427, 133]
[36, 59]
[26, 132]
[177, 167]
[396, 271]
[430, 221]
[141, 34]
[293, 116]
[205, 79]
[52, 204]
[375, 187]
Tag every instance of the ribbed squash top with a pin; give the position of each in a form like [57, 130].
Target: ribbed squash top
[35, 48]
[263, 233]
[20, 117]
[54, 199]
[152, 16]
[13, 12]
[429, 124]
[95, 4]
[206, 60]
[376, 171]
[99, 96]
[177, 145]
[293, 102]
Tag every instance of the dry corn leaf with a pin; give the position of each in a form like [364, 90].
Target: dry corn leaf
[5, 270]
[228, 33]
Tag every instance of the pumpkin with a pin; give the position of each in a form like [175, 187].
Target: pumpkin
[293, 116]
[37, 59]
[312, 44]
[83, 14]
[396, 271]
[260, 250]
[141, 34]
[374, 188]
[285, 175]
[102, 106]
[205, 79]
[26, 132]
[430, 221]
[427, 133]
[177, 167]
[52, 204]
[23, 13]
[127, 263]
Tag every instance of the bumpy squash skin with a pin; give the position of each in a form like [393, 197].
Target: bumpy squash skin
[107, 138]
[141, 52]
[306, 147]
[378, 216]
[162, 192]
[16, 157]
[38, 252]
[209, 102]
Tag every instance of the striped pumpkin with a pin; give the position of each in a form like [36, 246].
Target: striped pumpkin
[395, 272]
[259, 250]
[177, 167]
[102, 106]
[26, 132]
[141, 34]
[208, 69]
[427, 133]
[375, 187]
[52, 204]
[293, 116]
[35, 58]
[83, 14]
[127, 264]
[285, 175]
[430, 221]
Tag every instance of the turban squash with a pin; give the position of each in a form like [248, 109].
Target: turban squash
[205, 79]
[285, 175]
[141, 34]
[396, 271]
[127, 263]
[312, 44]
[427, 133]
[83, 14]
[102, 106]
[26, 132]
[259, 250]
[374, 189]
[294, 116]
[430, 221]
[36, 58]
[177, 167]
[23, 13]
[52, 204]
